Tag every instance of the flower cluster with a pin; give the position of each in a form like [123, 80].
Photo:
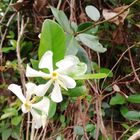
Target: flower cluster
[56, 78]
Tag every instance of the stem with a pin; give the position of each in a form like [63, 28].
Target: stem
[100, 22]
[32, 130]
[118, 62]
[28, 126]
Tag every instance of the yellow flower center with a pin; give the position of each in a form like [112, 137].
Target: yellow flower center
[54, 75]
[27, 106]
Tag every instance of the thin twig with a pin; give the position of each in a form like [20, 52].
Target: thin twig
[1, 43]
[118, 62]
[6, 11]
[131, 61]
[100, 22]
[21, 128]
[136, 123]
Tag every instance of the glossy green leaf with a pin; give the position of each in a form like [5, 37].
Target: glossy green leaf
[91, 41]
[83, 56]
[131, 115]
[6, 134]
[7, 49]
[85, 25]
[92, 12]
[8, 113]
[134, 98]
[91, 76]
[107, 71]
[52, 38]
[72, 45]
[78, 91]
[117, 100]
[52, 109]
[62, 19]
[16, 120]
[90, 127]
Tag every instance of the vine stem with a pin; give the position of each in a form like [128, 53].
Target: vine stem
[32, 130]
[118, 62]
[21, 27]
[100, 22]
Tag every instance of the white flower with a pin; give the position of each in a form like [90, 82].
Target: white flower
[58, 77]
[38, 110]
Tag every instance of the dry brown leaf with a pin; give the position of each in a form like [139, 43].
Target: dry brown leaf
[107, 14]
[118, 36]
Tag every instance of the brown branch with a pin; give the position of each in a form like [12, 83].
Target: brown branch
[2, 41]
[132, 64]
[100, 22]
[135, 136]
[118, 62]
[125, 132]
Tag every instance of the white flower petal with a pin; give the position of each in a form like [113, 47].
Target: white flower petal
[34, 73]
[44, 120]
[16, 89]
[40, 90]
[42, 105]
[37, 120]
[68, 81]
[46, 61]
[23, 108]
[67, 62]
[56, 94]
[29, 90]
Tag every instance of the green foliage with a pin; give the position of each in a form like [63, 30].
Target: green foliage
[72, 45]
[134, 98]
[78, 130]
[91, 41]
[117, 100]
[130, 115]
[52, 109]
[92, 12]
[62, 19]
[52, 38]
[91, 76]
[100, 47]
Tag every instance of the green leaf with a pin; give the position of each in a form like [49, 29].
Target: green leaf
[131, 115]
[90, 76]
[78, 130]
[16, 120]
[13, 43]
[52, 38]
[78, 91]
[62, 19]
[15, 132]
[92, 12]
[52, 109]
[91, 41]
[107, 71]
[8, 113]
[90, 127]
[117, 100]
[134, 98]
[83, 56]
[6, 134]
[72, 45]
[86, 25]
[7, 49]
[62, 118]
